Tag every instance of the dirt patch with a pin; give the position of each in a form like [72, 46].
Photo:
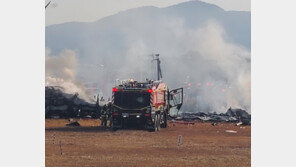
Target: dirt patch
[202, 145]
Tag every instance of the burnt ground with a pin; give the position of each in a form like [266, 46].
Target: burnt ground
[202, 145]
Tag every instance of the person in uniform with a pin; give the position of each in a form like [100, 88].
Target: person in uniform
[104, 116]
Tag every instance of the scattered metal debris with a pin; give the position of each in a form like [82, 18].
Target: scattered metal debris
[214, 124]
[232, 115]
[230, 131]
[73, 124]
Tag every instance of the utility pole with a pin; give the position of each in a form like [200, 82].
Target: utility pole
[159, 74]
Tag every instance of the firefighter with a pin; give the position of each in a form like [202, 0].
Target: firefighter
[108, 112]
[104, 116]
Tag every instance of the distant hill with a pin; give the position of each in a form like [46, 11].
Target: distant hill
[110, 34]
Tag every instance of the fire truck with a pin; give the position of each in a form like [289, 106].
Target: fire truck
[148, 104]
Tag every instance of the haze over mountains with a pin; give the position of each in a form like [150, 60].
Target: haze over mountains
[237, 25]
[199, 43]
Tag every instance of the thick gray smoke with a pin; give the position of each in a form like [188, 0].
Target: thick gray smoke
[61, 71]
[214, 71]
[217, 71]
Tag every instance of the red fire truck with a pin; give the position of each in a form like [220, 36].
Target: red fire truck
[146, 103]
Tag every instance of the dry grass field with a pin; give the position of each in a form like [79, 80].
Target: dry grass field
[91, 146]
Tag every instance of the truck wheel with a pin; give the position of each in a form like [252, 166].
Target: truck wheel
[112, 126]
[113, 129]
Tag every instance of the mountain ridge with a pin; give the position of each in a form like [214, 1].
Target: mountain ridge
[237, 24]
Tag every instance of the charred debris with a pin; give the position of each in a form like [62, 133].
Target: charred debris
[239, 116]
[59, 104]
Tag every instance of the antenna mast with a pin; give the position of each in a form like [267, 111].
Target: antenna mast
[159, 74]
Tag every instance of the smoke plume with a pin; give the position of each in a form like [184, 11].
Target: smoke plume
[214, 71]
[61, 71]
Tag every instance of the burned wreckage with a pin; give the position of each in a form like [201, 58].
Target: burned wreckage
[59, 104]
[239, 116]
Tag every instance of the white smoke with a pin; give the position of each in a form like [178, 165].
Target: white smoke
[217, 70]
[214, 71]
[61, 71]
[223, 65]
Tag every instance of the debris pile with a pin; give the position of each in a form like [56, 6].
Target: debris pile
[239, 116]
[243, 117]
[59, 104]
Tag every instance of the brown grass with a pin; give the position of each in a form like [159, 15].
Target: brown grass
[202, 145]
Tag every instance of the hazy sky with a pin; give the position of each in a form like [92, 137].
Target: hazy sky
[61, 11]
